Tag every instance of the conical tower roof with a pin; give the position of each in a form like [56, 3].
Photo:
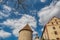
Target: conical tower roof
[27, 27]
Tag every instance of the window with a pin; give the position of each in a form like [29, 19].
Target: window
[55, 32]
[53, 27]
[57, 38]
[59, 26]
[52, 22]
[55, 19]
[53, 39]
[56, 22]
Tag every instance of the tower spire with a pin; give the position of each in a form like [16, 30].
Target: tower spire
[27, 27]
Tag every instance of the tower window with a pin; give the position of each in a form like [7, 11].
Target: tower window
[56, 22]
[57, 38]
[59, 26]
[53, 27]
[52, 22]
[55, 19]
[53, 39]
[55, 32]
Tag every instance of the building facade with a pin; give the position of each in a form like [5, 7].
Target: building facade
[52, 30]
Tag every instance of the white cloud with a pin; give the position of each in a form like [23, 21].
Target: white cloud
[16, 32]
[4, 34]
[1, 0]
[42, 29]
[5, 12]
[17, 13]
[7, 8]
[33, 12]
[48, 12]
[42, 0]
[18, 24]
[34, 33]
[3, 15]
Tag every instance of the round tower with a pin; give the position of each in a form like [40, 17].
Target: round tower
[36, 38]
[25, 33]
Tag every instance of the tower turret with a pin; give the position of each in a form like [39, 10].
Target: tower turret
[25, 33]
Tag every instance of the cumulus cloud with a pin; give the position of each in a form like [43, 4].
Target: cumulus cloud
[48, 12]
[3, 15]
[7, 8]
[42, 29]
[5, 12]
[17, 13]
[34, 33]
[1, 0]
[18, 24]
[42, 0]
[4, 34]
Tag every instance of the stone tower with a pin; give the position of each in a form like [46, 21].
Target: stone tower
[25, 33]
[36, 38]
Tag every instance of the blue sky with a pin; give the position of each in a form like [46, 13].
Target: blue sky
[36, 15]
